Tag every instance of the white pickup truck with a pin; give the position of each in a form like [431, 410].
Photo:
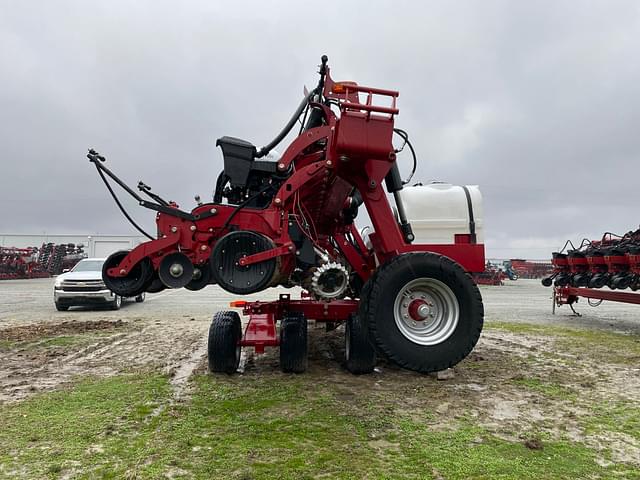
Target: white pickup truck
[83, 285]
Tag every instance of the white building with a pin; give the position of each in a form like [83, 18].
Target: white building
[94, 245]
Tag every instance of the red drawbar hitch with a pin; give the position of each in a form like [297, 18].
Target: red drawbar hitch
[261, 330]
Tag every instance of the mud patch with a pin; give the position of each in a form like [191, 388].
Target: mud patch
[38, 359]
[182, 371]
[23, 333]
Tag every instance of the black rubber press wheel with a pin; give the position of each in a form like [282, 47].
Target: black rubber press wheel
[224, 347]
[423, 311]
[293, 343]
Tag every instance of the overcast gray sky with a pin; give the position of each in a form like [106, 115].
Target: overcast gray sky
[537, 102]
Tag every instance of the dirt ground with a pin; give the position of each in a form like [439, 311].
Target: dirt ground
[42, 349]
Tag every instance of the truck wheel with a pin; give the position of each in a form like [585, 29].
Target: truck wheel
[61, 308]
[423, 311]
[140, 298]
[223, 346]
[293, 343]
[117, 303]
[359, 353]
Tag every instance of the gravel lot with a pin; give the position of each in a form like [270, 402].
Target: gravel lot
[31, 301]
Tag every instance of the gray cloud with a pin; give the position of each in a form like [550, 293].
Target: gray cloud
[537, 102]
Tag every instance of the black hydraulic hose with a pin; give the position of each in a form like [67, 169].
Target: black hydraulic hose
[124, 212]
[566, 244]
[305, 102]
[405, 136]
[287, 128]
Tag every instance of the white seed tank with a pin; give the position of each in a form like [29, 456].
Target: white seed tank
[439, 211]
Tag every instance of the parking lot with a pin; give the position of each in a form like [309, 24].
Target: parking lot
[560, 380]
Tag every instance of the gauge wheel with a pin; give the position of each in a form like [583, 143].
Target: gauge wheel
[423, 311]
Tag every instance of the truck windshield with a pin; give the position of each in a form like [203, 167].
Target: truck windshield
[88, 266]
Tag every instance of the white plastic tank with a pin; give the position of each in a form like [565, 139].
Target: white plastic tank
[439, 211]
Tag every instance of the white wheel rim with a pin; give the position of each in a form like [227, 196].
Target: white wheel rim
[426, 311]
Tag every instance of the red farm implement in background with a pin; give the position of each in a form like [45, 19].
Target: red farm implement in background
[492, 275]
[531, 268]
[33, 262]
[612, 262]
[55, 258]
[17, 263]
[289, 221]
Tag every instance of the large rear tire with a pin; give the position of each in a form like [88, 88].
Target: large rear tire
[224, 347]
[423, 311]
[359, 353]
[293, 343]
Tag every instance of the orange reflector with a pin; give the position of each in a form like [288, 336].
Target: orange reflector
[238, 303]
[342, 87]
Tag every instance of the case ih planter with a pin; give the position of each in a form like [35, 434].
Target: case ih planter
[290, 222]
[613, 262]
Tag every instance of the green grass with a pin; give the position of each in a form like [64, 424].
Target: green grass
[471, 452]
[269, 427]
[549, 389]
[621, 416]
[98, 426]
[62, 341]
